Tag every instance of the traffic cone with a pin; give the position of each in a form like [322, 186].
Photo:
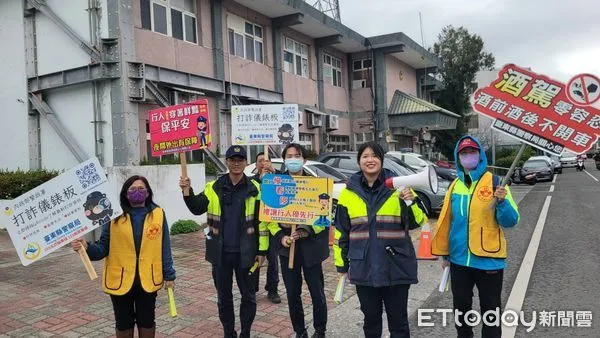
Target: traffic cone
[425, 244]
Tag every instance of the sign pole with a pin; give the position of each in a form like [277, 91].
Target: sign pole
[514, 164]
[292, 250]
[87, 263]
[510, 170]
[266, 151]
[183, 161]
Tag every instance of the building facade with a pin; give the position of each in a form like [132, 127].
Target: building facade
[82, 75]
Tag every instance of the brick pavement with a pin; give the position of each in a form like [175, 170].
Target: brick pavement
[55, 298]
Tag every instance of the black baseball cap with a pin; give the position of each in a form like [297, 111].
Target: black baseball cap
[234, 151]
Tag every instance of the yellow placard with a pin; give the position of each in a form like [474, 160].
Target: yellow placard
[296, 200]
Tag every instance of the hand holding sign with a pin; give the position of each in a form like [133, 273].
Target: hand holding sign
[59, 211]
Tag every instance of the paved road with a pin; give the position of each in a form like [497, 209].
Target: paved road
[565, 267]
[346, 320]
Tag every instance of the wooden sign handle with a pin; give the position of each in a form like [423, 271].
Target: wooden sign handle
[292, 250]
[87, 263]
[266, 152]
[183, 161]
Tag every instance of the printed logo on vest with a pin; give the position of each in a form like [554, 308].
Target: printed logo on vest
[153, 231]
[485, 194]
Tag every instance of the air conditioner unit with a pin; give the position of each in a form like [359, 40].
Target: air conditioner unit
[300, 117]
[359, 84]
[333, 122]
[315, 120]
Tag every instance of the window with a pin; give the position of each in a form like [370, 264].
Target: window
[348, 163]
[245, 39]
[295, 58]
[176, 18]
[306, 140]
[361, 73]
[360, 138]
[339, 142]
[332, 70]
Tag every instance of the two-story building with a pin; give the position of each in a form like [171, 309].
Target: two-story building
[82, 76]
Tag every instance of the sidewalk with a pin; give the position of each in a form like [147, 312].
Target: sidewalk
[55, 298]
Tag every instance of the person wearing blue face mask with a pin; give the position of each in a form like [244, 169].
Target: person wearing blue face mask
[311, 249]
[470, 237]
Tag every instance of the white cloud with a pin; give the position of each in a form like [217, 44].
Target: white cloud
[555, 37]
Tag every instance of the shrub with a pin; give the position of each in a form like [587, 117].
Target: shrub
[184, 227]
[15, 183]
[509, 156]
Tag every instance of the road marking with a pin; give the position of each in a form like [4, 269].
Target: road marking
[554, 179]
[552, 188]
[517, 294]
[592, 176]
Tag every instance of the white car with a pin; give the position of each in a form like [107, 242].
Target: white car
[313, 168]
[568, 160]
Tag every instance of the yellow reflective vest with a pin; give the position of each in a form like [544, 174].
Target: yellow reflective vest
[120, 264]
[251, 242]
[485, 236]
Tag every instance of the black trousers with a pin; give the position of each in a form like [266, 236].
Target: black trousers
[135, 307]
[292, 278]
[223, 275]
[395, 299]
[272, 268]
[489, 286]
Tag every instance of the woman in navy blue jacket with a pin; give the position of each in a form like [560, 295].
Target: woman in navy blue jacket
[372, 243]
[138, 262]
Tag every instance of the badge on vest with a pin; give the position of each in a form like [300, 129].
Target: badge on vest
[153, 231]
[485, 194]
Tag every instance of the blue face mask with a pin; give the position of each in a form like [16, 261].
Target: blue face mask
[294, 165]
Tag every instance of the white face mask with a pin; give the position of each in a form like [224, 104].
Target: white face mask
[294, 165]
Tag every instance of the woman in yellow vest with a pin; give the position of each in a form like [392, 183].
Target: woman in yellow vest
[372, 243]
[469, 234]
[138, 262]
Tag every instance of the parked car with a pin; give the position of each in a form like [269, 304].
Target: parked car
[346, 163]
[557, 163]
[446, 164]
[519, 177]
[313, 168]
[568, 160]
[549, 160]
[418, 162]
[541, 168]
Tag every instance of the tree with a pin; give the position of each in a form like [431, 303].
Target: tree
[462, 57]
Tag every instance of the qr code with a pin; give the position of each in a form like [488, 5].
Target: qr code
[289, 113]
[88, 176]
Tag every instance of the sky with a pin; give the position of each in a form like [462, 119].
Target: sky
[557, 38]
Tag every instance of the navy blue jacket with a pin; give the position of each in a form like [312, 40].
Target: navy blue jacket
[376, 262]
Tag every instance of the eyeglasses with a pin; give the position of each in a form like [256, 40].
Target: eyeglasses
[136, 189]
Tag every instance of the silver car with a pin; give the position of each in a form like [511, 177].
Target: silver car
[346, 163]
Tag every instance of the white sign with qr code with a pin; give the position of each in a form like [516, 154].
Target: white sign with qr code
[55, 213]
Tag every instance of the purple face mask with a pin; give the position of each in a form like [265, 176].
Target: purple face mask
[137, 196]
[469, 161]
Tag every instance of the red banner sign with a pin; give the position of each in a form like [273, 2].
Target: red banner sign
[537, 110]
[179, 128]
